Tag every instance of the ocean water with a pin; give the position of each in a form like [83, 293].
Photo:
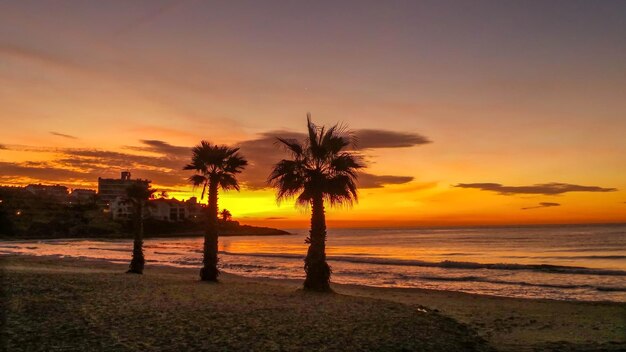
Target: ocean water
[556, 262]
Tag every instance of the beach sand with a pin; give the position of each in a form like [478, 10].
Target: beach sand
[50, 303]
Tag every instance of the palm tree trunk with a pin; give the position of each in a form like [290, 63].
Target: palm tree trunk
[317, 270]
[137, 262]
[209, 271]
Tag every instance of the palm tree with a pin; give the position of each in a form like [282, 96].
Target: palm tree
[137, 196]
[320, 170]
[226, 215]
[216, 167]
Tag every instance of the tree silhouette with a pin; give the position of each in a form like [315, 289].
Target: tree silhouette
[226, 215]
[137, 196]
[320, 170]
[216, 167]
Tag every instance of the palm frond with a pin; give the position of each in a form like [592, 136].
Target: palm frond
[341, 190]
[197, 180]
[319, 167]
[215, 162]
[314, 139]
[292, 145]
[228, 182]
[346, 163]
[288, 178]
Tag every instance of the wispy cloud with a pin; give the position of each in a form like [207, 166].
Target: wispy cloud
[146, 18]
[36, 56]
[553, 188]
[543, 205]
[63, 135]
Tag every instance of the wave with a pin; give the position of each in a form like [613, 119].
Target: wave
[521, 283]
[448, 264]
[110, 249]
[594, 257]
[608, 257]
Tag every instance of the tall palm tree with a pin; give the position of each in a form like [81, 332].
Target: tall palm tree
[137, 196]
[320, 170]
[216, 167]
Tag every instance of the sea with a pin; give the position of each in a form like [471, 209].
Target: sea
[572, 262]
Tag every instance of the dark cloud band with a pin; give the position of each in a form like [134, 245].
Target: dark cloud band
[370, 139]
[543, 205]
[63, 135]
[553, 188]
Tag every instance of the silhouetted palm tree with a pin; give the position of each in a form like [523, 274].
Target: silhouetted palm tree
[216, 167]
[320, 170]
[226, 215]
[137, 196]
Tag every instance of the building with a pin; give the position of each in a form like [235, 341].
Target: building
[168, 210]
[174, 210]
[111, 189]
[57, 192]
[82, 196]
[171, 210]
[120, 209]
[195, 209]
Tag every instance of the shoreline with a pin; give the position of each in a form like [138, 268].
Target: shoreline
[459, 281]
[510, 324]
[145, 237]
[149, 264]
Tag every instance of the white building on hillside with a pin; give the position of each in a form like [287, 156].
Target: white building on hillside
[171, 210]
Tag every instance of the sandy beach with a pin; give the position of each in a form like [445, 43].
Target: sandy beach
[72, 304]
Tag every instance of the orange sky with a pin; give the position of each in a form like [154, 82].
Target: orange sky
[527, 96]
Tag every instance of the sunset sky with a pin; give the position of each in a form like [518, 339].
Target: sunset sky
[468, 112]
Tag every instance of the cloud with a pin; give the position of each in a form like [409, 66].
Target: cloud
[366, 180]
[543, 205]
[262, 153]
[370, 139]
[265, 151]
[553, 188]
[63, 135]
[161, 147]
[162, 162]
[41, 171]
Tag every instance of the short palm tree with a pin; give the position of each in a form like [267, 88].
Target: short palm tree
[320, 170]
[137, 196]
[216, 167]
[226, 215]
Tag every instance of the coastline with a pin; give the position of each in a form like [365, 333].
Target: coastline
[509, 324]
[256, 231]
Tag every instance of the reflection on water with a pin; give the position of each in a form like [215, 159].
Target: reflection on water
[571, 262]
